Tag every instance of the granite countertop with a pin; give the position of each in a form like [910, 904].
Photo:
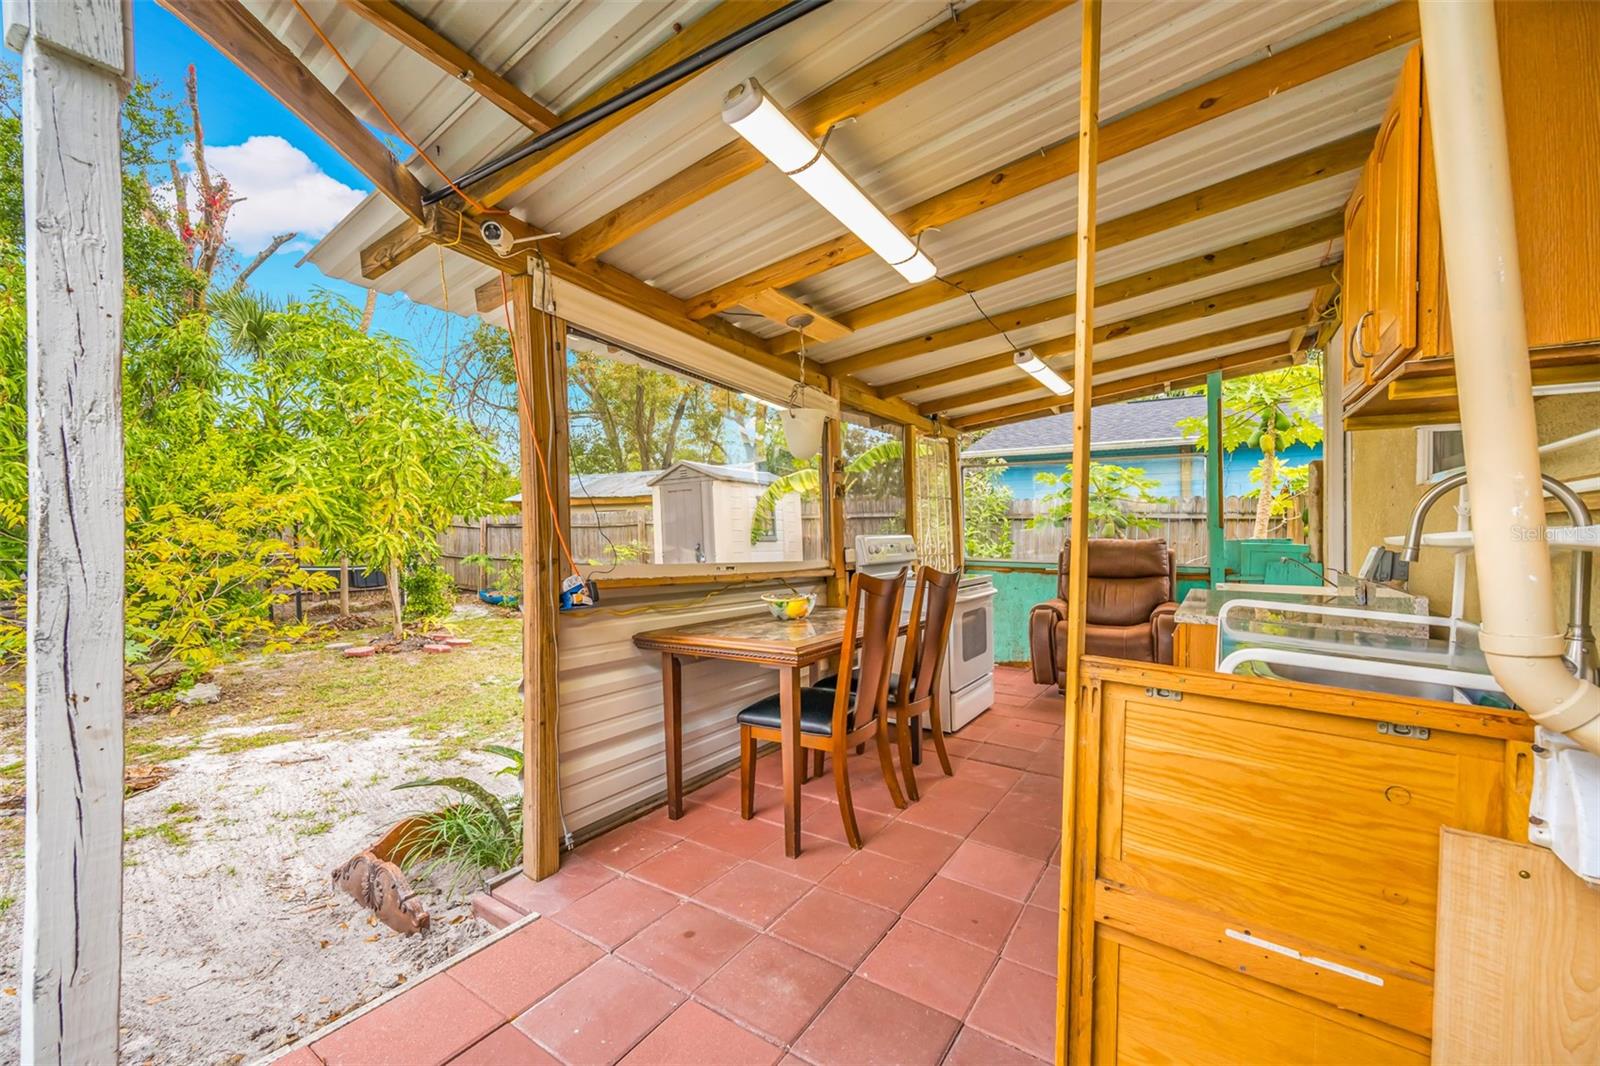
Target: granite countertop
[1200, 606]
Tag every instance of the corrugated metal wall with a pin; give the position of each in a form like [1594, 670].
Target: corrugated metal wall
[611, 736]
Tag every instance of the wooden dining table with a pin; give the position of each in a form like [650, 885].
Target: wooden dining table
[761, 640]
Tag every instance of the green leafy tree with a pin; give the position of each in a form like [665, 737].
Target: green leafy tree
[864, 473]
[986, 511]
[1271, 411]
[1111, 489]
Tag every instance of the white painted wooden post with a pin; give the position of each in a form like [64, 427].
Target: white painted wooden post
[74, 55]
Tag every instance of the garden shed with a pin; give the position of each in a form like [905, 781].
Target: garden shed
[707, 515]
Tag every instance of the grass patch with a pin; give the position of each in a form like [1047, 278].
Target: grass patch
[251, 741]
[315, 829]
[170, 831]
[6, 903]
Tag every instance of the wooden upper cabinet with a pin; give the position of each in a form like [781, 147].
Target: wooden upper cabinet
[1395, 178]
[1359, 291]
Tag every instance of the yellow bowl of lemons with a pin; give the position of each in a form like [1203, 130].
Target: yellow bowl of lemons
[790, 606]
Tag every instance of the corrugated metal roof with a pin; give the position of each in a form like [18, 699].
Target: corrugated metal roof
[1153, 421]
[1017, 96]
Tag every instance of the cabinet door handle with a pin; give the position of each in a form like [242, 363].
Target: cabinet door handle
[1354, 348]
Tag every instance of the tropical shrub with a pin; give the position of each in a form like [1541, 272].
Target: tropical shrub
[1111, 489]
[479, 833]
[430, 594]
[986, 511]
[502, 576]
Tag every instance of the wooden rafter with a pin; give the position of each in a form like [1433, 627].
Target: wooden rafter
[1189, 311]
[1335, 157]
[237, 34]
[882, 79]
[454, 60]
[1332, 51]
[1254, 361]
[405, 240]
[781, 307]
[1159, 353]
[1317, 231]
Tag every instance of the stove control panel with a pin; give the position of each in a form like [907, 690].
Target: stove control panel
[880, 549]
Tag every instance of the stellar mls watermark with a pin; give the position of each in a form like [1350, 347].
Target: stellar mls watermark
[1561, 536]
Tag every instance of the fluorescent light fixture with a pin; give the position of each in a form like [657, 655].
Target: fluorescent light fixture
[755, 117]
[1035, 368]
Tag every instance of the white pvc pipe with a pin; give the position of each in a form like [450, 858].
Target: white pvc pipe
[1494, 383]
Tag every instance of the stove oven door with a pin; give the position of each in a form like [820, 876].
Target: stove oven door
[971, 654]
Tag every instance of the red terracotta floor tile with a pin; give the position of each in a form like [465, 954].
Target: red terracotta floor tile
[657, 821]
[878, 879]
[734, 835]
[627, 846]
[427, 1024]
[972, 1048]
[928, 966]
[615, 911]
[1033, 941]
[723, 793]
[1000, 777]
[1017, 1005]
[1034, 784]
[698, 1035]
[299, 1057]
[753, 893]
[1022, 742]
[1025, 838]
[1049, 761]
[969, 788]
[773, 987]
[914, 844]
[836, 927]
[1005, 873]
[946, 816]
[1047, 893]
[506, 1046]
[967, 913]
[824, 820]
[867, 1024]
[524, 966]
[684, 868]
[601, 1014]
[686, 945]
[1001, 755]
[818, 856]
[577, 877]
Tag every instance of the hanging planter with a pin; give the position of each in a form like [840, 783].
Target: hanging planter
[802, 429]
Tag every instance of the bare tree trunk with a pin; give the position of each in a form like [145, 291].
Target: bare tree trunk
[366, 313]
[1269, 477]
[344, 585]
[262, 256]
[394, 602]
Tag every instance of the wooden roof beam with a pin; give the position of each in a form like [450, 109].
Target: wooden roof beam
[1260, 328]
[237, 34]
[1254, 361]
[903, 67]
[1351, 43]
[1205, 306]
[430, 44]
[398, 245]
[1208, 264]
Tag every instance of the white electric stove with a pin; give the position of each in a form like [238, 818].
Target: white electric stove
[968, 675]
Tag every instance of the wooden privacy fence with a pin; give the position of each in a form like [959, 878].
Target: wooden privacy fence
[1181, 522]
[594, 532]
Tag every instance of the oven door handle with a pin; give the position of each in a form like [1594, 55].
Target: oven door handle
[978, 596]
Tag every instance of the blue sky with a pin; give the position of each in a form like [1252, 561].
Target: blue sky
[292, 180]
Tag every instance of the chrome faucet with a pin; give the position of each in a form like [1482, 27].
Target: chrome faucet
[1580, 653]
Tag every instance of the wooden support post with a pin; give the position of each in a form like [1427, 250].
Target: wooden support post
[957, 484]
[1075, 960]
[73, 71]
[539, 354]
[1215, 536]
[909, 476]
[833, 489]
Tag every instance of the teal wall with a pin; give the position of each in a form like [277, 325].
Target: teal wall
[1021, 585]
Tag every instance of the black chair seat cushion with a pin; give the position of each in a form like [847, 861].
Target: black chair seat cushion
[831, 683]
[816, 712]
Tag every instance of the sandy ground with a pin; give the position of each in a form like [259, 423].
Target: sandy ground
[234, 941]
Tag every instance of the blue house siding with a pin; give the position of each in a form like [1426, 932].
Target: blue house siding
[1180, 471]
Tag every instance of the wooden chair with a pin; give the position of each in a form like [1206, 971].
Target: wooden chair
[916, 689]
[830, 720]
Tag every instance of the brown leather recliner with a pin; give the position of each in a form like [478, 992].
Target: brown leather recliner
[1131, 608]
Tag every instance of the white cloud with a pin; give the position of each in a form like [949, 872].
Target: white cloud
[283, 190]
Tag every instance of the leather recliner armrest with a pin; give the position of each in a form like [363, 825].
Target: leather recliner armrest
[1042, 622]
[1163, 622]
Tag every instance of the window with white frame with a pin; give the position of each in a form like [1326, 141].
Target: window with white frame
[1440, 452]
